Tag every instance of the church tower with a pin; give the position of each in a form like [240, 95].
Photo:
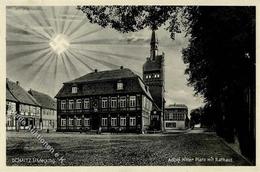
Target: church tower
[153, 76]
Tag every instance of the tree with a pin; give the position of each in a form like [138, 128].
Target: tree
[134, 18]
[221, 67]
[195, 116]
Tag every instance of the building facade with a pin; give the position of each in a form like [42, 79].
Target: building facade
[153, 76]
[176, 117]
[47, 110]
[20, 106]
[114, 101]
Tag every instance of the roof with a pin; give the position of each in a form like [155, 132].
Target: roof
[10, 97]
[43, 99]
[176, 106]
[20, 94]
[105, 75]
[104, 83]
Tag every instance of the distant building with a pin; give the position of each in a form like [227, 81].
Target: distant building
[20, 105]
[153, 76]
[176, 117]
[48, 110]
[113, 100]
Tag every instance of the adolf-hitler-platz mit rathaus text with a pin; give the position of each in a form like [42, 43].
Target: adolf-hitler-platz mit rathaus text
[104, 101]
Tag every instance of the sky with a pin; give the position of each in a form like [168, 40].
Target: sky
[47, 46]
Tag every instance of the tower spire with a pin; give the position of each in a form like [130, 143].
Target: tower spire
[154, 46]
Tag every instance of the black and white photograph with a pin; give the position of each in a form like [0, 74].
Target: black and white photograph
[130, 85]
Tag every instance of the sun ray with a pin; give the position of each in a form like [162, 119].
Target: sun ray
[110, 65]
[65, 12]
[55, 19]
[27, 66]
[65, 67]
[11, 37]
[28, 25]
[21, 28]
[49, 17]
[84, 63]
[35, 19]
[19, 55]
[72, 66]
[85, 34]
[45, 77]
[55, 71]
[38, 70]
[17, 43]
[75, 29]
[70, 23]
[45, 18]
[113, 54]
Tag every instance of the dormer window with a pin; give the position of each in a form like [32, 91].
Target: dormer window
[74, 89]
[120, 86]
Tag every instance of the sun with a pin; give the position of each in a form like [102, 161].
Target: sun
[59, 44]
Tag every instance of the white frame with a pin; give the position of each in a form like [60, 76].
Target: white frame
[132, 121]
[123, 121]
[113, 122]
[132, 101]
[78, 104]
[86, 122]
[104, 122]
[74, 90]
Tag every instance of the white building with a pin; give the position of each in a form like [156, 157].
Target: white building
[176, 117]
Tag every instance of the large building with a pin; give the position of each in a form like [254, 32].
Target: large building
[176, 117]
[20, 105]
[115, 100]
[48, 110]
[153, 76]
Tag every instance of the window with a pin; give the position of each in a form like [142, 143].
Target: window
[104, 102]
[104, 122]
[78, 104]
[132, 121]
[170, 115]
[120, 86]
[70, 121]
[9, 123]
[122, 121]
[156, 75]
[113, 122]
[78, 122]
[86, 122]
[166, 115]
[122, 102]
[132, 101]
[71, 104]
[170, 125]
[86, 104]
[74, 89]
[113, 102]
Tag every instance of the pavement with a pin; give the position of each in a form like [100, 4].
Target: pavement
[190, 147]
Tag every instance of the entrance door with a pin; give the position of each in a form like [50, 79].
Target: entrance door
[95, 122]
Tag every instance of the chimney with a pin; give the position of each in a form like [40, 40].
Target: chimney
[96, 70]
[121, 67]
[17, 83]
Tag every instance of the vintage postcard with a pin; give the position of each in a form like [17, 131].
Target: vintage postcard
[101, 85]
